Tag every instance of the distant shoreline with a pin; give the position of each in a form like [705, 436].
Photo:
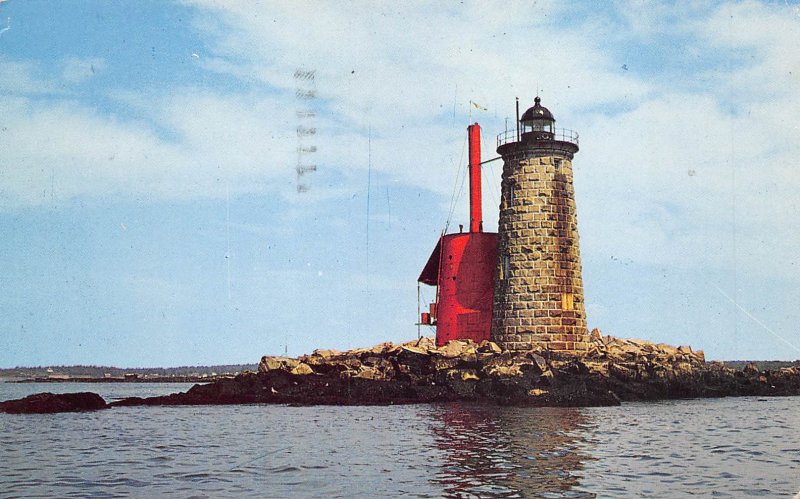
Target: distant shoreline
[175, 379]
[110, 374]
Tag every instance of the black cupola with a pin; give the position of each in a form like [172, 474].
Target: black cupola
[537, 122]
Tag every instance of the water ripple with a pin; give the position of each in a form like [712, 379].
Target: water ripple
[742, 447]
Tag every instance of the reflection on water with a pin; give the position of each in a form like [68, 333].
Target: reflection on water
[736, 447]
[511, 452]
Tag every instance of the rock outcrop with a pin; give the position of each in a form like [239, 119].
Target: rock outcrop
[41, 403]
[614, 370]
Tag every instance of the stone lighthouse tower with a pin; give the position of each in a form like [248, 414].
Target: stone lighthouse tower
[538, 292]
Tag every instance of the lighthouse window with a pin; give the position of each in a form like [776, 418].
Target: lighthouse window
[510, 195]
[506, 267]
[542, 126]
[557, 164]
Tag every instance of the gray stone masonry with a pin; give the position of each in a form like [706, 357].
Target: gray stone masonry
[538, 298]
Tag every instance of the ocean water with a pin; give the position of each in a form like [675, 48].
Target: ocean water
[734, 447]
[109, 391]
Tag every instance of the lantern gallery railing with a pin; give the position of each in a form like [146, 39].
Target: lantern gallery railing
[562, 134]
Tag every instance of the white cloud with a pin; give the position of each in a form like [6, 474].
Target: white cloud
[23, 78]
[62, 150]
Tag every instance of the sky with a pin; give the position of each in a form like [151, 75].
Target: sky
[206, 182]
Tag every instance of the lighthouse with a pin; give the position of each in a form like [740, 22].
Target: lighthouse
[538, 289]
[520, 287]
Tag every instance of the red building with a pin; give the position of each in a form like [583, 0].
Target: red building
[461, 267]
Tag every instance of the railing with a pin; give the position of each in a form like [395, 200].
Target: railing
[562, 134]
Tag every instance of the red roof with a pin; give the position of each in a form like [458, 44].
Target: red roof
[430, 274]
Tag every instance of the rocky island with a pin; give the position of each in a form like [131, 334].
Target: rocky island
[614, 370]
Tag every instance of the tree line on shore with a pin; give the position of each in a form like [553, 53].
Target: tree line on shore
[81, 371]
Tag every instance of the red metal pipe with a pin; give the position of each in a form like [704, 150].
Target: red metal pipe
[475, 209]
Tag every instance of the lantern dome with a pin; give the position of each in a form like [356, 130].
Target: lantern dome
[538, 113]
[537, 122]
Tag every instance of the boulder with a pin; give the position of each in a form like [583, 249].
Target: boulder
[456, 348]
[751, 369]
[631, 347]
[415, 349]
[332, 365]
[425, 343]
[667, 349]
[348, 373]
[46, 403]
[487, 346]
[621, 372]
[570, 367]
[379, 363]
[287, 363]
[440, 363]
[382, 348]
[326, 354]
[482, 357]
[641, 345]
[539, 363]
[515, 365]
[501, 365]
[302, 369]
[623, 351]
[346, 363]
[371, 359]
[412, 363]
[546, 378]
[595, 367]
[369, 373]
[501, 371]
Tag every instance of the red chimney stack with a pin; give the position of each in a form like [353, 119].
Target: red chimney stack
[475, 210]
